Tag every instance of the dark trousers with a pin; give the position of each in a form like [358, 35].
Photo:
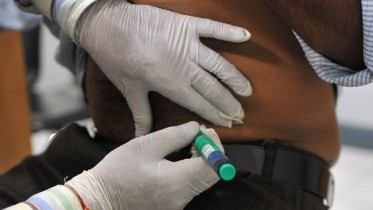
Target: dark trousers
[252, 192]
[73, 150]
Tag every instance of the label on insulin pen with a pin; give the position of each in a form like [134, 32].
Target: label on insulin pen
[207, 150]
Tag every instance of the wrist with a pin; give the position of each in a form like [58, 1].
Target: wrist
[84, 206]
[67, 14]
[58, 197]
[89, 191]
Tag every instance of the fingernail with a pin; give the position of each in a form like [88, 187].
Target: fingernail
[202, 127]
[229, 124]
[237, 122]
[229, 120]
[246, 34]
[240, 114]
[246, 89]
[240, 34]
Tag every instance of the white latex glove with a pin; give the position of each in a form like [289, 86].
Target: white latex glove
[136, 175]
[143, 48]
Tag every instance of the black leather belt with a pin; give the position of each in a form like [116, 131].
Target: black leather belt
[285, 164]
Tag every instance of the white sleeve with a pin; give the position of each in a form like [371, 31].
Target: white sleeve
[13, 18]
[67, 53]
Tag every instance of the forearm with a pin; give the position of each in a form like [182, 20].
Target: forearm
[333, 28]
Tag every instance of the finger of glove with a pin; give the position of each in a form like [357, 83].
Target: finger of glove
[197, 174]
[214, 137]
[214, 92]
[138, 103]
[159, 144]
[222, 31]
[195, 102]
[224, 70]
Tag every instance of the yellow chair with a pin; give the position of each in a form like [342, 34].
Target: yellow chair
[15, 121]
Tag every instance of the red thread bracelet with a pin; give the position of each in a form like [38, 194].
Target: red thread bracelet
[84, 206]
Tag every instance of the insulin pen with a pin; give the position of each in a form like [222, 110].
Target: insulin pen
[214, 156]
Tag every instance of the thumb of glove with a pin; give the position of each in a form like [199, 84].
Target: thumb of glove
[138, 102]
[200, 175]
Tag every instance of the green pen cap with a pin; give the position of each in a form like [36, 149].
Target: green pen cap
[227, 171]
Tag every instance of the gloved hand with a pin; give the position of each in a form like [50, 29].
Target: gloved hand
[136, 175]
[143, 48]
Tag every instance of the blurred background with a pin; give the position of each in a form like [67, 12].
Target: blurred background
[55, 99]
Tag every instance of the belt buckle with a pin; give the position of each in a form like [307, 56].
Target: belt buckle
[328, 201]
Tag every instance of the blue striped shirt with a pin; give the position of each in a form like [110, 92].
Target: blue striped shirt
[341, 75]
[13, 18]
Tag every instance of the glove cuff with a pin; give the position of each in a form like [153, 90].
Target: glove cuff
[90, 191]
[67, 13]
